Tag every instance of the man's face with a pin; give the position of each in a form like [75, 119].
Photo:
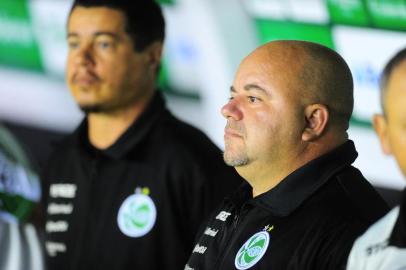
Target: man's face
[104, 73]
[264, 116]
[392, 128]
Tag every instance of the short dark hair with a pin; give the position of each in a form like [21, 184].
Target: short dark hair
[393, 63]
[328, 77]
[145, 23]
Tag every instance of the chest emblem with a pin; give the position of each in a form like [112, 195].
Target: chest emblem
[252, 250]
[137, 214]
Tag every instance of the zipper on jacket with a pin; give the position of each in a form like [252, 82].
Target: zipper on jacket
[236, 221]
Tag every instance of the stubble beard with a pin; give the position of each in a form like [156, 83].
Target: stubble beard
[235, 155]
[91, 107]
[94, 108]
[99, 108]
[235, 159]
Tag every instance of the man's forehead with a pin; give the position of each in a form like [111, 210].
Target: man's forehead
[398, 75]
[395, 90]
[264, 65]
[89, 20]
[249, 74]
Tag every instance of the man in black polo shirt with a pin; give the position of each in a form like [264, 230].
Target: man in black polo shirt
[129, 188]
[304, 204]
[383, 245]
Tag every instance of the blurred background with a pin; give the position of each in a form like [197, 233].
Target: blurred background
[206, 40]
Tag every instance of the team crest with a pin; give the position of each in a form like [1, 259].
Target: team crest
[252, 250]
[137, 214]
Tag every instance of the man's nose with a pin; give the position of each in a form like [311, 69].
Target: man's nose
[84, 56]
[231, 109]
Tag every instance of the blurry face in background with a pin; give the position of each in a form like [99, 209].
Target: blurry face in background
[104, 73]
[391, 128]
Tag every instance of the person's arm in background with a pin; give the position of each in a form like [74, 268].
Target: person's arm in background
[20, 192]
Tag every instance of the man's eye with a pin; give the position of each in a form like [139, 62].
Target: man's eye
[253, 99]
[73, 45]
[104, 44]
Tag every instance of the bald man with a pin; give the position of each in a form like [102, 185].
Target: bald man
[286, 135]
[383, 246]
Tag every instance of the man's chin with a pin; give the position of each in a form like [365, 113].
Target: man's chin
[235, 161]
[91, 108]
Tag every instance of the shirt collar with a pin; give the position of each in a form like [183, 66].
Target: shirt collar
[132, 137]
[294, 189]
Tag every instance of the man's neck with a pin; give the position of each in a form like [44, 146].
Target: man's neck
[104, 129]
[264, 177]
[267, 175]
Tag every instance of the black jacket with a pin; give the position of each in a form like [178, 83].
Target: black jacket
[308, 221]
[137, 204]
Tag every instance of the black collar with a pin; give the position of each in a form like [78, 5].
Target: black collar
[132, 137]
[294, 189]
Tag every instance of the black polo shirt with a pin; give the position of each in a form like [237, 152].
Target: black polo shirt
[137, 204]
[308, 221]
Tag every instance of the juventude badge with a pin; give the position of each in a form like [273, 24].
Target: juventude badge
[252, 250]
[137, 214]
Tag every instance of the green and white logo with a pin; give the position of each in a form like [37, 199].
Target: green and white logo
[137, 214]
[252, 250]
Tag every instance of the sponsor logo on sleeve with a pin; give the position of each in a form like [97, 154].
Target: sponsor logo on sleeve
[56, 226]
[53, 248]
[223, 215]
[67, 191]
[199, 249]
[211, 232]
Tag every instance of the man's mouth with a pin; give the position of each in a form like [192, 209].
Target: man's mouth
[228, 133]
[85, 79]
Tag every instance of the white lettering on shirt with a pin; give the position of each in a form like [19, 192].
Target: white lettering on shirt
[60, 209]
[63, 191]
[187, 267]
[54, 247]
[223, 215]
[210, 232]
[56, 226]
[199, 249]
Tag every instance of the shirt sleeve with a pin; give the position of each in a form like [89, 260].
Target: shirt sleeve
[373, 251]
[326, 248]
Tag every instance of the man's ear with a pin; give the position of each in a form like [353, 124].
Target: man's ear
[317, 117]
[380, 126]
[154, 54]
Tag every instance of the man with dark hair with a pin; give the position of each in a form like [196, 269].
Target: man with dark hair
[128, 189]
[304, 203]
[383, 245]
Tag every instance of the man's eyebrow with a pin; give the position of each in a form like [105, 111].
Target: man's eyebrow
[96, 34]
[106, 33]
[251, 86]
[71, 35]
